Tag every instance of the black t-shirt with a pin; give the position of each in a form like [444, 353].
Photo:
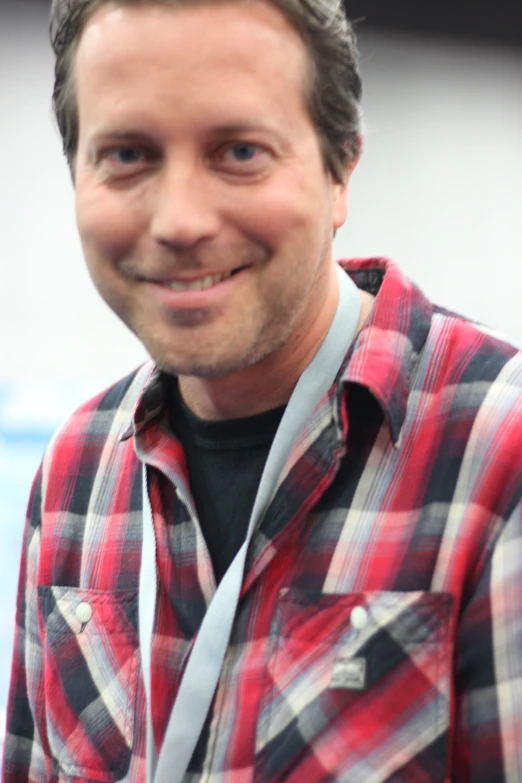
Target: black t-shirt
[225, 462]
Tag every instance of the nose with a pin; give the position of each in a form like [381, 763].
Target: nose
[184, 210]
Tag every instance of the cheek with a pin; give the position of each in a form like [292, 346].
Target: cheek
[280, 216]
[107, 224]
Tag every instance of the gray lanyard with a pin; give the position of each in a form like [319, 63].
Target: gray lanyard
[204, 664]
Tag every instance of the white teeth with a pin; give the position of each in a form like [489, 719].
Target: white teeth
[198, 285]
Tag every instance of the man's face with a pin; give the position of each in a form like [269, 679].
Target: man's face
[204, 208]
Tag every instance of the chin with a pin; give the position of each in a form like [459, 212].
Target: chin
[208, 366]
[216, 356]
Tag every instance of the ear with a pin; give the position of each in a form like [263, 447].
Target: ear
[340, 204]
[340, 193]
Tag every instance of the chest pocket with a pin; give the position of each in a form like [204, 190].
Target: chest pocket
[91, 663]
[358, 689]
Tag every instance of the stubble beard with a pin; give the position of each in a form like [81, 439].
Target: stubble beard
[269, 337]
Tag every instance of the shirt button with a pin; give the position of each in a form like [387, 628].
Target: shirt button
[83, 612]
[359, 618]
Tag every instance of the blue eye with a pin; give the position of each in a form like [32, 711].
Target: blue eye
[127, 155]
[244, 152]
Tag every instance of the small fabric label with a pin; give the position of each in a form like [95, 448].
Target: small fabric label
[349, 673]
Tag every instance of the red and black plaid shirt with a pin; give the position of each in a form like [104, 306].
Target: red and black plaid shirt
[401, 501]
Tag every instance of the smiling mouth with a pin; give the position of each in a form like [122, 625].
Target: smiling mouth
[201, 284]
[198, 285]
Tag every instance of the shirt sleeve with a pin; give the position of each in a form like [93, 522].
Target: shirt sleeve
[488, 746]
[25, 758]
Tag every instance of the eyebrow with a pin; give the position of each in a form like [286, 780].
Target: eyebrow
[244, 127]
[218, 130]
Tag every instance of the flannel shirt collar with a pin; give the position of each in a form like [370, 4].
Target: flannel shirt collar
[383, 358]
[150, 403]
[386, 350]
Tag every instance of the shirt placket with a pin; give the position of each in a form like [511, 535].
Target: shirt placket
[185, 574]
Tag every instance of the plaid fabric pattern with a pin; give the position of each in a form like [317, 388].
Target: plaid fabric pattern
[104, 691]
[378, 638]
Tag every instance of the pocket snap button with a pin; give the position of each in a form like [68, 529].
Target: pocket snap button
[359, 618]
[83, 612]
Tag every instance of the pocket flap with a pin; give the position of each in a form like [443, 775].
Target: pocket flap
[91, 665]
[350, 678]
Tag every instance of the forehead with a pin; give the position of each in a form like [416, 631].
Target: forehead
[229, 52]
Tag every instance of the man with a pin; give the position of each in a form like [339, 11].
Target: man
[372, 533]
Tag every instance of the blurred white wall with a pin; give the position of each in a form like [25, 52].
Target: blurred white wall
[439, 189]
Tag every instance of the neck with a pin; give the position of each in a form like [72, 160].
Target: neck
[268, 384]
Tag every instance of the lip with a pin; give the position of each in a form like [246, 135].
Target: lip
[192, 299]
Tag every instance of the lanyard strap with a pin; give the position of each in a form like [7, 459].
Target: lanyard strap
[205, 662]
